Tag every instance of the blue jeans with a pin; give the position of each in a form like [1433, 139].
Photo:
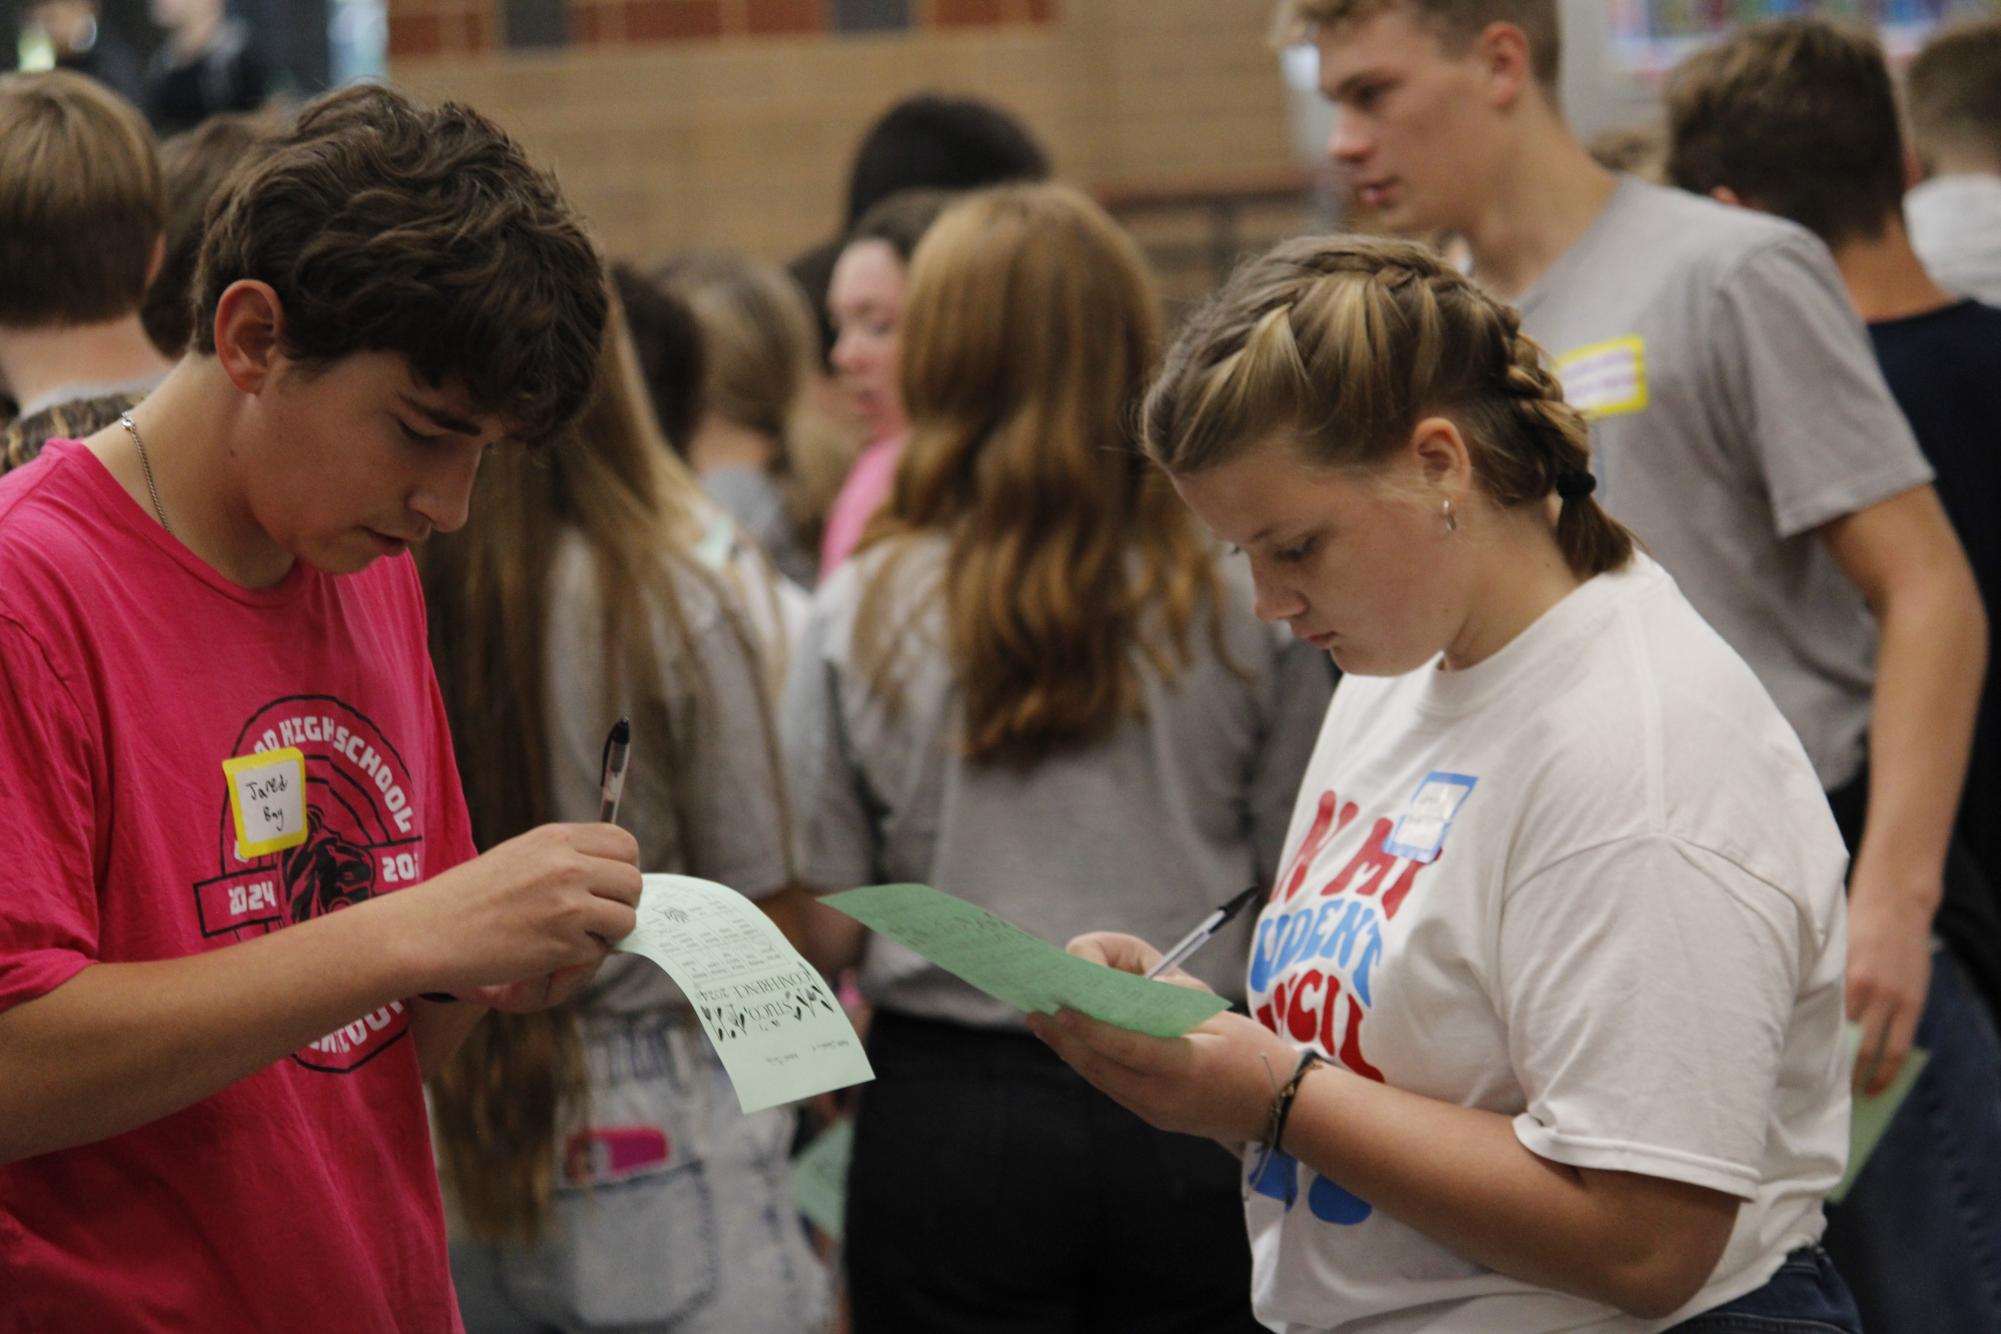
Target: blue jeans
[1805, 1296]
[703, 1239]
[1919, 1236]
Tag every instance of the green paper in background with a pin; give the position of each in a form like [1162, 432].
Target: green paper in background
[1869, 1117]
[820, 1177]
[1010, 965]
[778, 1030]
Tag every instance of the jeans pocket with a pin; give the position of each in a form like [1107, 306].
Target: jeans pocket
[1805, 1295]
[641, 1251]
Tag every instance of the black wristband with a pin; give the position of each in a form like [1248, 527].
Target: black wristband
[1281, 1110]
[438, 997]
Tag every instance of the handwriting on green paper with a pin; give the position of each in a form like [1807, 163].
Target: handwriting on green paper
[820, 1177]
[778, 1030]
[1010, 965]
[1869, 1117]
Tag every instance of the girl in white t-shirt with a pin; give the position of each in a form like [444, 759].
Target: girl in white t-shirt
[1547, 996]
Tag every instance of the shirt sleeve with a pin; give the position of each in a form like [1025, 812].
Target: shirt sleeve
[1647, 986]
[839, 825]
[1297, 690]
[1800, 378]
[48, 806]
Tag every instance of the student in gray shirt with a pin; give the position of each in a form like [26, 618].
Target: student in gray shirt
[1039, 689]
[1798, 117]
[1739, 425]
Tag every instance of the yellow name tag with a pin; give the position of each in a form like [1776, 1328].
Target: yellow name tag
[267, 798]
[1605, 379]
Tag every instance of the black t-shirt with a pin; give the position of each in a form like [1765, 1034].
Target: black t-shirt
[1944, 368]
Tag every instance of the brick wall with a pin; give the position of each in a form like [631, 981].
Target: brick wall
[732, 122]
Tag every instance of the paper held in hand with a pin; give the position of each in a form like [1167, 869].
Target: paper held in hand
[1010, 965]
[1869, 1117]
[779, 1031]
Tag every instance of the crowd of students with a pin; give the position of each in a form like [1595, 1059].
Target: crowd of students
[1579, 641]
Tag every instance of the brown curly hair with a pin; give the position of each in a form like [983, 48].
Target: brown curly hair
[388, 226]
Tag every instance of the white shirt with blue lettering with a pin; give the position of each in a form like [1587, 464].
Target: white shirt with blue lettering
[1590, 883]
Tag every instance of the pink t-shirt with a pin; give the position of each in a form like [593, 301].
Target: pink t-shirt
[304, 1196]
[865, 492]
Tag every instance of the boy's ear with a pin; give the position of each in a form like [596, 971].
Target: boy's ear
[1723, 194]
[1504, 50]
[249, 327]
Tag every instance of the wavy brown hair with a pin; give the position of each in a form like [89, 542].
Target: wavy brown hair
[388, 226]
[1342, 344]
[499, 1103]
[195, 164]
[1029, 330]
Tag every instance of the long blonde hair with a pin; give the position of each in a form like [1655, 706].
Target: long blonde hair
[1030, 326]
[1342, 344]
[499, 1102]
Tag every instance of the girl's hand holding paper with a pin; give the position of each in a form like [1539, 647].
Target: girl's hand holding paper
[1216, 1081]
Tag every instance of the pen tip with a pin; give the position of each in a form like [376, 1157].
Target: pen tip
[621, 731]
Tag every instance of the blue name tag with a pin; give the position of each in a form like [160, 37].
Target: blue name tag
[1420, 830]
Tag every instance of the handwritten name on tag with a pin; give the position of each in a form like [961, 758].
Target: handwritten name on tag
[267, 799]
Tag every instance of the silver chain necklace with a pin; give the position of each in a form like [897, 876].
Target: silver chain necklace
[146, 464]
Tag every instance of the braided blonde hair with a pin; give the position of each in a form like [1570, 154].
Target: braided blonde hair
[1344, 344]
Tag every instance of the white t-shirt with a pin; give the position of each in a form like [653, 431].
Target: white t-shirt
[1590, 883]
[1955, 224]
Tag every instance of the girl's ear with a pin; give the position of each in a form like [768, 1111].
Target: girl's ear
[1441, 456]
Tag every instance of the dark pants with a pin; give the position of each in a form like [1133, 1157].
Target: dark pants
[993, 1190]
[1919, 1236]
[1806, 1296]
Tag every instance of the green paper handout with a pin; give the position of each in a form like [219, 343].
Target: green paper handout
[820, 1177]
[779, 1031]
[1869, 1117]
[1012, 966]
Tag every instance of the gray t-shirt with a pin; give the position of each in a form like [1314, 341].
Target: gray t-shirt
[1143, 832]
[734, 829]
[1735, 407]
[753, 499]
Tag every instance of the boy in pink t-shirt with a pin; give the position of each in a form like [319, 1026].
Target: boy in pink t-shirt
[242, 891]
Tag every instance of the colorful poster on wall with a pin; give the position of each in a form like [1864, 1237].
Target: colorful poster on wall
[1651, 36]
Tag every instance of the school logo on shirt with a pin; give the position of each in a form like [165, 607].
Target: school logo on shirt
[1318, 945]
[315, 814]
[1605, 379]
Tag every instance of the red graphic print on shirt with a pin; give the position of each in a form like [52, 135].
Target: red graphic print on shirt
[1316, 951]
[363, 840]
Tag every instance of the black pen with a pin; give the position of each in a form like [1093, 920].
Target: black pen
[1203, 932]
[611, 780]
